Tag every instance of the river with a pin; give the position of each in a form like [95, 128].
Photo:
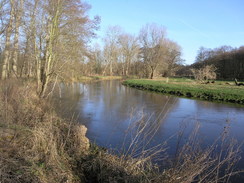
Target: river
[111, 112]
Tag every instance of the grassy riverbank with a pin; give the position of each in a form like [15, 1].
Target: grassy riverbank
[218, 91]
[38, 146]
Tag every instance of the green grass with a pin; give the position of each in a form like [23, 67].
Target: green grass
[219, 91]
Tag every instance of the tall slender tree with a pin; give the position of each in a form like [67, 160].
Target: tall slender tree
[7, 51]
[18, 5]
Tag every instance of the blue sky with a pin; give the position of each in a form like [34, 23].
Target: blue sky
[191, 23]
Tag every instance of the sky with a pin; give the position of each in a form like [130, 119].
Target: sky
[190, 23]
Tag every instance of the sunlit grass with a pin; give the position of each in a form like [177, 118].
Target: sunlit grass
[218, 91]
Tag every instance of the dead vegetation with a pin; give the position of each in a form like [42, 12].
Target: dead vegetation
[206, 73]
[36, 145]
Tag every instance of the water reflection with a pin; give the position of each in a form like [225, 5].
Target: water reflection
[108, 108]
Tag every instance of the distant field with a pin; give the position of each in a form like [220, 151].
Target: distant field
[225, 91]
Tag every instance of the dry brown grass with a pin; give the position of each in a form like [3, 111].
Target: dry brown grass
[215, 163]
[36, 145]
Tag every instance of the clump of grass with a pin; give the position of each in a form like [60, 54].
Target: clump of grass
[35, 144]
[206, 92]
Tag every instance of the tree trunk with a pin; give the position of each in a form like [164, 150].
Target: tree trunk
[127, 67]
[6, 54]
[51, 40]
[111, 68]
[16, 38]
[152, 73]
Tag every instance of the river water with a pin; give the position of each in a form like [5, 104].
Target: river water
[112, 113]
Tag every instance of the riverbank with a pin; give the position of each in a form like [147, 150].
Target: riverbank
[93, 78]
[218, 91]
[36, 145]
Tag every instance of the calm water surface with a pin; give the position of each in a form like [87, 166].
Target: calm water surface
[108, 108]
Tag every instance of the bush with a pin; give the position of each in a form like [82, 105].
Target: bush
[206, 73]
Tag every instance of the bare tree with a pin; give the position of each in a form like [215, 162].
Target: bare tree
[111, 48]
[152, 39]
[18, 14]
[173, 57]
[67, 31]
[96, 59]
[42, 37]
[54, 12]
[32, 27]
[3, 4]
[129, 50]
[8, 33]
